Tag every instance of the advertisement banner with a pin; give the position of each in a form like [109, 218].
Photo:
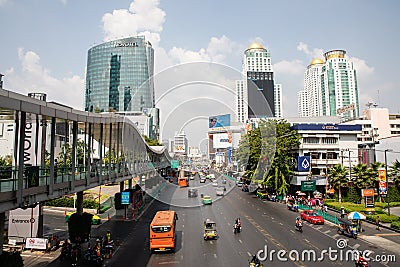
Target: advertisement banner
[36, 243]
[303, 163]
[219, 121]
[382, 182]
[179, 148]
[23, 223]
[222, 140]
[125, 198]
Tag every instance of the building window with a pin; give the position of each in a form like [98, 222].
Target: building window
[311, 140]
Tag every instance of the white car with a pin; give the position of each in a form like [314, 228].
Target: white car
[240, 184]
[202, 179]
[219, 191]
[215, 184]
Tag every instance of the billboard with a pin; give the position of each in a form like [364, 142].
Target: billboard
[222, 140]
[219, 121]
[382, 182]
[179, 149]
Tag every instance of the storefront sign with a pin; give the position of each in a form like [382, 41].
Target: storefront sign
[36, 243]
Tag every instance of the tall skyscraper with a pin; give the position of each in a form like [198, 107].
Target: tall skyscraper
[117, 76]
[330, 87]
[259, 76]
[339, 85]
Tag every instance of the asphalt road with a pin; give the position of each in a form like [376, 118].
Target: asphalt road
[266, 225]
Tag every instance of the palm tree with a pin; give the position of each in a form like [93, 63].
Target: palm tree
[394, 172]
[338, 178]
[362, 176]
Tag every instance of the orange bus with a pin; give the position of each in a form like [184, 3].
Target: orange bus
[162, 231]
[183, 182]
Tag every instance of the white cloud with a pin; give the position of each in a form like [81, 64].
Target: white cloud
[33, 77]
[363, 70]
[295, 67]
[142, 16]
[4, 2]
[315, 53]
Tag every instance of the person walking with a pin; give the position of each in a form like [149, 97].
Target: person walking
[342, 212]
[378, 223]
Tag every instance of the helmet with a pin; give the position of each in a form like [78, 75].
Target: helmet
[97, 240]
[298, 218]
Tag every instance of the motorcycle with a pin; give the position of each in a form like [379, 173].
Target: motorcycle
[92, 257]
[255, 262]
[237, 228]
[109, 249]
[362, 262]
[65, 251]
[299, 227]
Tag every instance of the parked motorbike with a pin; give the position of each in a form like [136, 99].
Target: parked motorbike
[299, 227]
[255, 262]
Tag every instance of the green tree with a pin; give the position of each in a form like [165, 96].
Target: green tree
[338, 178]
[394, 172]
[151, 142]
[277, 178]
[6, 160]
[362, 176]
[265, 153]
[81, 153]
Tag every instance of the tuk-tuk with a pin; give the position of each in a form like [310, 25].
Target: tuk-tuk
[348, 228]
[210, 230]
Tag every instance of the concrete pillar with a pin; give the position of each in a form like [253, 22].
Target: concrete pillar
[21, 145]
[121, 186]
[73, 152]
[130, 183]
[79, 202]
[53, 174]
[2, 218]
[101, 153]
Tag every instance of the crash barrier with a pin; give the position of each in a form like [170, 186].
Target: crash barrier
[106, 205]
[304, 207]
[328, 217]
[229, 177]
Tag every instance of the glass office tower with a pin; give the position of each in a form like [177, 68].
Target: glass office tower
[119, 76]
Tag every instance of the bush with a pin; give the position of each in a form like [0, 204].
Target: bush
[11, 259]
[69, 203]
[395, 225]
[385, 218]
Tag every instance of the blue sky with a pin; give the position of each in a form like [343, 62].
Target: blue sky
[44, 43]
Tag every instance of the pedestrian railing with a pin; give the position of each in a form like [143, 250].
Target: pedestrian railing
[328, 217]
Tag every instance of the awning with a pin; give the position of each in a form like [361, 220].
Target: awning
[296, 179]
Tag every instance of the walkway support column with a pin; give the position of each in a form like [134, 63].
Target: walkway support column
[79, 202]
[2, 218]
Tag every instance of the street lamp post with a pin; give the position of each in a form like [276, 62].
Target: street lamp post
[387, 180]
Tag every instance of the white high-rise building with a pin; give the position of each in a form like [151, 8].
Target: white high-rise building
[339, 85]
[258, 77]
[330, 87]
[278, 100]
[241, 101]
[302, 103]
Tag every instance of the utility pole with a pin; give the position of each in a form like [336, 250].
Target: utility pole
[387, 180]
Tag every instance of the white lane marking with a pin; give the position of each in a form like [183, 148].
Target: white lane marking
[248, 253]
[215, 255]
[240, 241]
[183, 233]
[335, 236]
[211, 242]
[168, 262]
[281, 223]
[266, 241]
[318, 228]
[292, 231]
[327, 231]
[306, 240]
[183, 226]
[356, 246]
[59, 229]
